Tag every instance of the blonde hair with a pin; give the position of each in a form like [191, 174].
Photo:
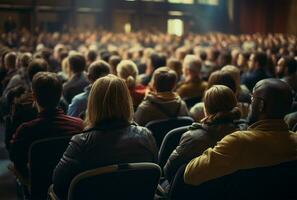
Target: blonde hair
[109, 99]
[66, 68]
[128, 70]
[220, 103]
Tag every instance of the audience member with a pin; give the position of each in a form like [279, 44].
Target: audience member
[161, 102]
[267, 141]
[221, 111]
[51, 122]
[192, 86]
[78, 80]
[110, 136]
[257, 70]
[128, 71]
[155, 61]
[78, 105]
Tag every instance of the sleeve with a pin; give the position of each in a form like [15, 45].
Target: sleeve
[184, 152]
[19, 149]
[152, 145]
[223, 159]
[73, 109]
[69, 166]
[140, 115]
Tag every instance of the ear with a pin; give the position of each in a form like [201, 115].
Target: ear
[261, 105]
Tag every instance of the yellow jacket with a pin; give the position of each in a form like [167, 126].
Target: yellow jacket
[265, 143]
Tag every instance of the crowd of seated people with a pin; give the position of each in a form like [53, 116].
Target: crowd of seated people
[104, 88]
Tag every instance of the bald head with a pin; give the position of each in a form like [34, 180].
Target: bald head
[272, 99]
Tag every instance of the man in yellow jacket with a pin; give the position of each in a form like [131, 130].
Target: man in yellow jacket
[267, 141]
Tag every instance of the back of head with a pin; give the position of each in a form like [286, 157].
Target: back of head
[225, 58]
[92, 55]
[47, 89]
[220, 104]
[164, 79]
[234, 72]
[261, 59]
[109, 100]
[114, 60]
[219, 98]
[175, 65]
[291, 65]
[25, 59]
[77, 62]
[10, 60]
[128, 71]
[157, 60]
[222, 78]
[37, 65]
[192, 63]
[276, 98]
[98, 69]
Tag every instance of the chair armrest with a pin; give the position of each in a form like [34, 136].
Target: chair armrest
[51, 194]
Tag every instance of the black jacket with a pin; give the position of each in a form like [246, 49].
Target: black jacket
[109, 143]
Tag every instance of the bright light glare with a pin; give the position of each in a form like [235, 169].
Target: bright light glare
[175, 26]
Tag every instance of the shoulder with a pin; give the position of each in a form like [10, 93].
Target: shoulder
[79, 98]
[134, 128]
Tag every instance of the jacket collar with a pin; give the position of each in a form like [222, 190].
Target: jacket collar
[50, 112]
[109, 125]
[269, 125]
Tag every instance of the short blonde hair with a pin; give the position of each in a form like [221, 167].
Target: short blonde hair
[109, 99]
[128, 70]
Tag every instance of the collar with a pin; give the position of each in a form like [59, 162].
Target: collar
[167, 96]
[88, 88]
[50, 112]
[269, 125]
[109, 125]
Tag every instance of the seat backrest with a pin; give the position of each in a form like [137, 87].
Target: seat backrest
[44, 155]
[124, 181]
[273, 182]
[169, 143]
[160, 128]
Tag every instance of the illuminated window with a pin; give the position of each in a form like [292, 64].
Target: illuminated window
[181, 1]
[209, 2]
[175, 26]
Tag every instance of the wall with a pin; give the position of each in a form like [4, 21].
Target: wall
[265, 16]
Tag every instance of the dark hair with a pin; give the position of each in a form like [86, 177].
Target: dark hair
[46, 54]
[222, 78]
[291, 65]
[164, 79]
[47, 89]
[105, 55]
[225, 58]
[114, 60]
[25, 59]
[92, 55]
[37, 65]
[77, 63]
[158, 60]
[203, 55]
[261, 59]
[98, 69]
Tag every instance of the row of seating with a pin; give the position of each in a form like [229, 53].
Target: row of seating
[140, 180]
[43, 157]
